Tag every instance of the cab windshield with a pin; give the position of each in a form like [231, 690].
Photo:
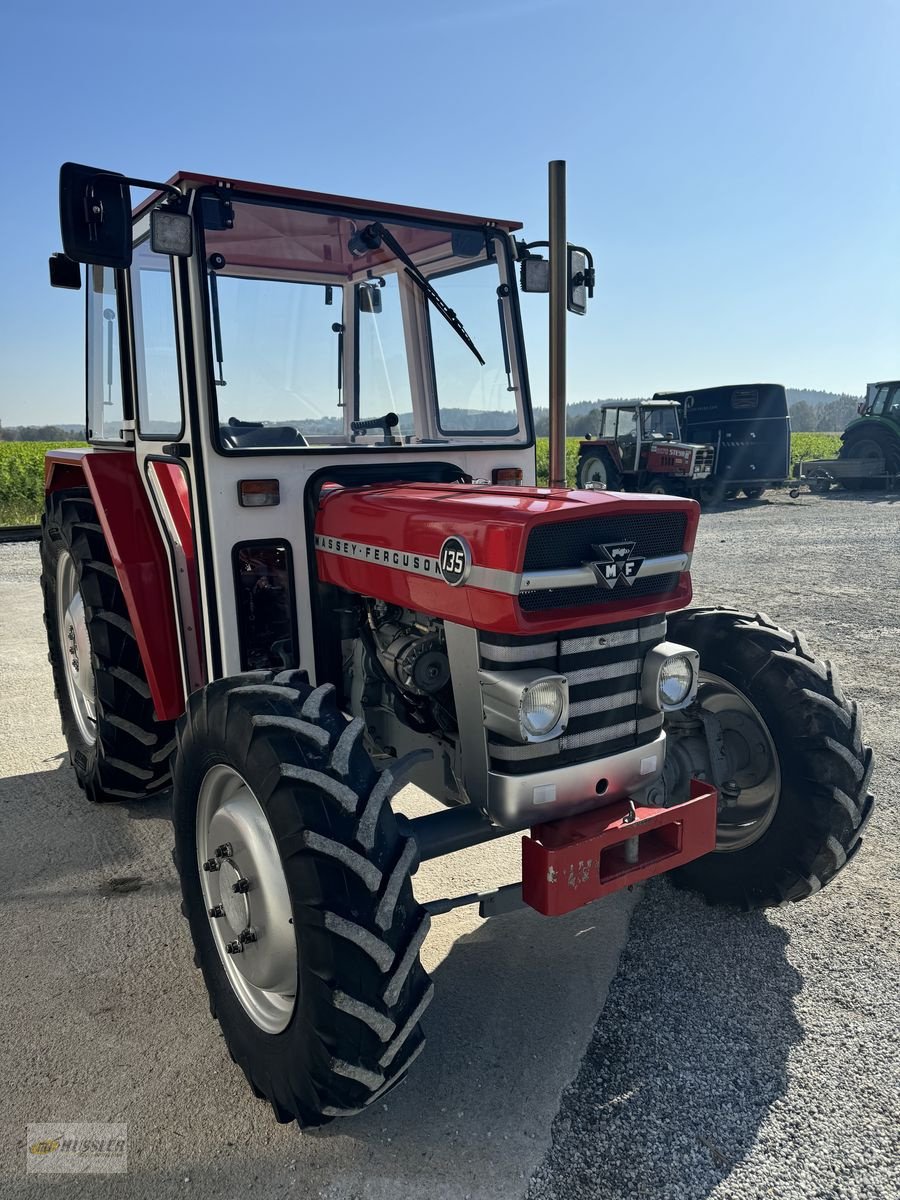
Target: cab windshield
[325, 327]
[659, 423]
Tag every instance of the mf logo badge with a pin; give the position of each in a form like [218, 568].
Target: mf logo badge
[615, 562]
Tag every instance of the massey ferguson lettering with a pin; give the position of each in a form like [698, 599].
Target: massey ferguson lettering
[383, 556]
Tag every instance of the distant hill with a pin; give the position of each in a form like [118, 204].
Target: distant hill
[811, 411]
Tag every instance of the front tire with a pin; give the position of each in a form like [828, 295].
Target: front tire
[118, 747]
[321, 1006]
[794, 748]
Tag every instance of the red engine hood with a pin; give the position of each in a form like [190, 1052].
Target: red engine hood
[386, 541]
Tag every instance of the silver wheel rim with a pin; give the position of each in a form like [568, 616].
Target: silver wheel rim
[249, 891]
[75, 646]
[594, 471]
[753, 765]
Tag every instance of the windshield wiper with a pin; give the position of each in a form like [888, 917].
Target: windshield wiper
[372, 237]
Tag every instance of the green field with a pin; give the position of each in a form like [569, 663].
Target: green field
[22, 472]
[22, 480]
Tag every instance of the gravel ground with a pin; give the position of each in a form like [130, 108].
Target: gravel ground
[742, 1057]
[738, 1056]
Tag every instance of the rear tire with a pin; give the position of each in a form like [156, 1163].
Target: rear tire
[886, 458]
[351, 1028]
[597, 467]
[823, 768]
[118, 747]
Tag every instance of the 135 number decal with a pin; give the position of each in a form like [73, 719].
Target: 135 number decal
[455, 561]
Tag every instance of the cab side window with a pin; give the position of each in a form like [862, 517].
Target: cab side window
[104, 367]
[156, 350]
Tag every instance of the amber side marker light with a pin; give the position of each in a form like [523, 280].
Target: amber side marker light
[258, 493]
[511, 476]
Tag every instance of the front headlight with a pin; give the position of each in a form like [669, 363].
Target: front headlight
[675, 680]
[541, 708]
[525, 706]
[670, 677]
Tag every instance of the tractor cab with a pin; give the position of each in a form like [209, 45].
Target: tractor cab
[639, 448]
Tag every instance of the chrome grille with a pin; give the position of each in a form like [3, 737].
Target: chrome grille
[603, 666]
[564, 544]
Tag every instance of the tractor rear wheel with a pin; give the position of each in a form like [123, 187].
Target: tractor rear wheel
[118, 747]
[597, 467]
[296, 883]
[797, 794]
[880, 458]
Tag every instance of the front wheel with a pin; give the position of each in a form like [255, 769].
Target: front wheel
[656, 486]
[296, 882]
[796, 773]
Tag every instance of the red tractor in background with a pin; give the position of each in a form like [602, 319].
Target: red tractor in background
[304, 562]
[638, 448]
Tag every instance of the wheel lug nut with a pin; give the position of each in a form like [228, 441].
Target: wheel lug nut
[234, 948]
[216, 911]
[211, 864]
[224, 851]
[247, 935]
[242, 885]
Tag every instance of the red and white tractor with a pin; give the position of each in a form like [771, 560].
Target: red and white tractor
[639, 448]
[304, 562]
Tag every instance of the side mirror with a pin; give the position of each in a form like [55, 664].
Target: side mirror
[95, 215]
[534, 275]
[581, 280]
[369, 298]
[64, 273]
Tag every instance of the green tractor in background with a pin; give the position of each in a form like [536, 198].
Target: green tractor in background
[869, 456]
[874, 437]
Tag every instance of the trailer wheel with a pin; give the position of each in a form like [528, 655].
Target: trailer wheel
[754, 493]
[794, 751]
[297, 887]
[597, 467]
[118, 747]
[818, 482]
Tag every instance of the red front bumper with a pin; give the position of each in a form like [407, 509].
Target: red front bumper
[569, 863]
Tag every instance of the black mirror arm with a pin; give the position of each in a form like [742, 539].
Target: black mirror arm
[150, 184]
[588, 275]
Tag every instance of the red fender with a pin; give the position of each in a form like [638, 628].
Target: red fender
[138, 555]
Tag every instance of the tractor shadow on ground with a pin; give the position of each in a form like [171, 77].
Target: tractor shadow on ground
[689, 1056]
[59, 843]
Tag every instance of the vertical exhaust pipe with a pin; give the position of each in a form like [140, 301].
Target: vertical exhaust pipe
[559, 286]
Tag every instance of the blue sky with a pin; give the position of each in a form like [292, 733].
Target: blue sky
[734, 166]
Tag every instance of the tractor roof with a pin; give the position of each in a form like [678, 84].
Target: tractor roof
[190, 179]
